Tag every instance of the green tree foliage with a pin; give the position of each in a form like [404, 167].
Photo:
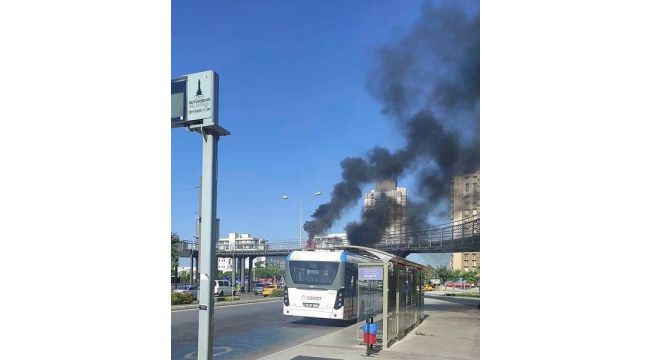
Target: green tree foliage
[456, 275]
[185, 276]
[174, 251]
[443, 273]
[270, 270]
[471, 276]
[429, 273]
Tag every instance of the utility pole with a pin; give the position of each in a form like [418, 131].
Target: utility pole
[198, 229]
[195, 105]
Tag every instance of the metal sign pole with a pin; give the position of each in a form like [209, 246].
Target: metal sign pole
[195, 105]
[208, 245]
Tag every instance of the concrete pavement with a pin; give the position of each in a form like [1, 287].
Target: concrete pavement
[450, 331]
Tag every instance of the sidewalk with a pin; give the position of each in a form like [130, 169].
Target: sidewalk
[450, 331]
[227, 303]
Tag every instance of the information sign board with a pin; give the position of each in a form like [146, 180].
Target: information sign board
[195, 100]
[371, 273]
[199, 100]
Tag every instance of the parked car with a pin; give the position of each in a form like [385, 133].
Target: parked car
[259, 288]
[223, 288]
[188, 289]
[268, 289]
[427, 287]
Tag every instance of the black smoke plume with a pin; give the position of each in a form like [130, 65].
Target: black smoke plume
[374, 221]
[428, 83]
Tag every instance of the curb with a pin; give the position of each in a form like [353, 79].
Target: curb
[223, 303]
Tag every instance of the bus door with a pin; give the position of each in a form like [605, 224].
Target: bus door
[350, 291]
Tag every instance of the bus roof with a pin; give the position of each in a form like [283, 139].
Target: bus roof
[360, 252]
[316, 255]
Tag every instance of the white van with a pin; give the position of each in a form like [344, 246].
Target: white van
[222, 287]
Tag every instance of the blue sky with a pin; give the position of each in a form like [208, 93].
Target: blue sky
[293, 95]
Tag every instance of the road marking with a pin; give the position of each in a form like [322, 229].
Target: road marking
[226, 349]
[252, 303]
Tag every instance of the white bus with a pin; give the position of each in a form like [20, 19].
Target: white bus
[323, 284]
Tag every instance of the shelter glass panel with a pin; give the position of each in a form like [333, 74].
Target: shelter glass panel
[370, 302]
[401, 298]
[392, 304]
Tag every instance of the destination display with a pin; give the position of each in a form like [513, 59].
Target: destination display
[178, 101]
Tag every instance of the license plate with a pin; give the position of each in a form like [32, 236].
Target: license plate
[310, 305]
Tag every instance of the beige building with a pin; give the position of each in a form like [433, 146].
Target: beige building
[329, 241]
[397, 213]
[465, 204]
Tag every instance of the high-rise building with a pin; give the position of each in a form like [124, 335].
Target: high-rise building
[396, 229]
[239, 241]
[465, 205]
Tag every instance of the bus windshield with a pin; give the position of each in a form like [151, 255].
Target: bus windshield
[313, 272]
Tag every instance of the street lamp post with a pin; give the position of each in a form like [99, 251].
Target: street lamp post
[286, 197]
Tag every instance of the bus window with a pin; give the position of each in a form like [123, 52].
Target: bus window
[313, 272]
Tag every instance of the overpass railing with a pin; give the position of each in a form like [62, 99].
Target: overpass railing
[185, 247]
[456, 235]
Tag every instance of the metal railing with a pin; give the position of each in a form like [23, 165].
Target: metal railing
[453, 236]
[239, 249]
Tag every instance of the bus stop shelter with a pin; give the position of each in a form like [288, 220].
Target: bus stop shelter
[389, 290]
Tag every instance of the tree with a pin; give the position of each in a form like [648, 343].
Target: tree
[456, 274]
[443, 273]
[429, 273]
[470, 276]
[275, 271]
[270, 270]
[185, 276]
[174, 262]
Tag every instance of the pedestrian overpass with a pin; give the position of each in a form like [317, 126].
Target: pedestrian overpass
[459, 236]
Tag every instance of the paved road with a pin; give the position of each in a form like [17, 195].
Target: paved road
[247, 331]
